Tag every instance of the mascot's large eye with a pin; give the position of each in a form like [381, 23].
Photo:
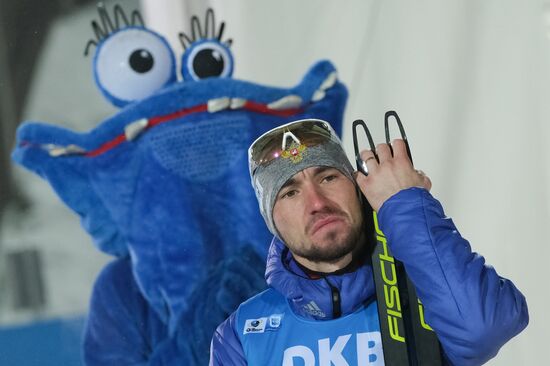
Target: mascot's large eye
[141, 61]
[207, 59]
[132, 64]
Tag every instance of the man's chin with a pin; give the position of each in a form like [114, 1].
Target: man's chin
[332, 247]
[327, 256]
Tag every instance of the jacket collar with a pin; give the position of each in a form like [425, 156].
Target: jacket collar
[312, 298]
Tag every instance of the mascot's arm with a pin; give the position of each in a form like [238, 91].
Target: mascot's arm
[118, 326]
[236, 278]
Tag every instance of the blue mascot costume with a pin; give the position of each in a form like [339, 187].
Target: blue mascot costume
[163, 185]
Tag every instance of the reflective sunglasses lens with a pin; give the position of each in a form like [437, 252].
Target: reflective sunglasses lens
[270, 146]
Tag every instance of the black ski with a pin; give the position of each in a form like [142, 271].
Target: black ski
[406, 338]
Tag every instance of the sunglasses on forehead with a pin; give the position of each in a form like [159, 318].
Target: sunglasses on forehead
[290, 141]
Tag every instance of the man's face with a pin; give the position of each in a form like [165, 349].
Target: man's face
[318, 215]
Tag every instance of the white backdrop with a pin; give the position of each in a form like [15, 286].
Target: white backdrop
[470, 81]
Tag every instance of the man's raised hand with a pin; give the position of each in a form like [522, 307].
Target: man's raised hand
[389, 176]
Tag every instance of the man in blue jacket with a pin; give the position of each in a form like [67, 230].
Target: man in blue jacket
[320, 307]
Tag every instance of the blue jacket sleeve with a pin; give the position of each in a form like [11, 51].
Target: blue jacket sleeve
[472, 309]
[226, 348]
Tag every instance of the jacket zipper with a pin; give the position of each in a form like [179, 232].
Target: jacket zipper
[336, 301]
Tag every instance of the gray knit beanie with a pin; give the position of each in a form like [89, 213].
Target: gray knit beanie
[267, 179]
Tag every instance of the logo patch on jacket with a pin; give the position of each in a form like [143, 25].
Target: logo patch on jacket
[255, 325]
[261, 325]
[275, 321]
[313, 309]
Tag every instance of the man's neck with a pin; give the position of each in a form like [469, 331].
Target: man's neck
[324, 267]
[314, 275]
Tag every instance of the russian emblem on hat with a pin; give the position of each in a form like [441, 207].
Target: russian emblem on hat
[295, 151]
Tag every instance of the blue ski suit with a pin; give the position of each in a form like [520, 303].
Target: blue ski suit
[472, 309]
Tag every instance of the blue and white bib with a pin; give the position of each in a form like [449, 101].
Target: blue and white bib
[271, 334]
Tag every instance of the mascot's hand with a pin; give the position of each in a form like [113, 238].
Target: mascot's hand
[231, 282]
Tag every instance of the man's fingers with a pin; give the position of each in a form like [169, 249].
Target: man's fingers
[384, 152]
[426, 182]
[369, 161]
[399, 149]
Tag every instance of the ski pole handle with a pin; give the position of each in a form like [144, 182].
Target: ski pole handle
[401, 131]
[361, 165]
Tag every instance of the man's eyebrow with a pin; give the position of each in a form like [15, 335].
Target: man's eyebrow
[318, 170]
[321, 169]
[289, 182]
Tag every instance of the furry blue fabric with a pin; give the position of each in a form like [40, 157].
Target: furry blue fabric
[165, 183]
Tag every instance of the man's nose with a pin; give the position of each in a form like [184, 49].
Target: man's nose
[316, 200]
